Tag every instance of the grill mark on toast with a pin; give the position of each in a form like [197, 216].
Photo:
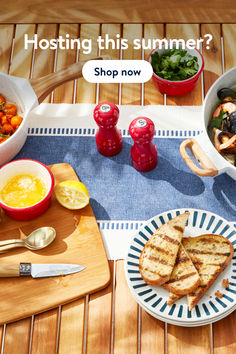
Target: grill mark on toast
[156, 259]
[196, 294]
[172, 299]
[206, 240]
[216, 264]
[198, 291]
[178, 228]
[163, 276]
[182, 260]
[159, 249]
[197, 263]
[170, 239]
[185, 276]
[153, 272]
[194, 251]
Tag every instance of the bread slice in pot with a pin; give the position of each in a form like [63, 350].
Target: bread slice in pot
[184, 278]
[158, 257]
[210, 255]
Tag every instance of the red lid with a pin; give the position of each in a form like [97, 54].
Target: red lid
[142, 130]
[106, 114]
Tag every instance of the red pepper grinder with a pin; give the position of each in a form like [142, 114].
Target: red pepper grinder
[108, 137]
[143, 152]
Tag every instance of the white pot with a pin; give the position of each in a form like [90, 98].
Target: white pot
[211, 161]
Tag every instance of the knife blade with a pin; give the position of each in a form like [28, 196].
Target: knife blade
[38, 270]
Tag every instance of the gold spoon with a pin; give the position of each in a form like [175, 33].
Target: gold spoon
[37, 240]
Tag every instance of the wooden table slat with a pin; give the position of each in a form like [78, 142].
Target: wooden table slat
[152, 334]
[65, 92]
[213, 56]
[86, 91]
[100, 319]
[1, 337]
[44, 59]
[72, 327]
[7, 34]
[126, 315]
[44, 339]
[224, 334]
[22, 59]
[138, 11]
[18, 336]
[186, 340]
[229, 35]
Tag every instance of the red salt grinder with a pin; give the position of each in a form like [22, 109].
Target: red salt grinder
[143, 152]
[108, 137]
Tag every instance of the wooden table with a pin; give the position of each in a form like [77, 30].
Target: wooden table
[111, 320]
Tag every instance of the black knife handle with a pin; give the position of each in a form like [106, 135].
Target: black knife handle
[25, 269]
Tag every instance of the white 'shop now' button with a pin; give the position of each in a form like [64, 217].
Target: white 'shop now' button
[108, 71]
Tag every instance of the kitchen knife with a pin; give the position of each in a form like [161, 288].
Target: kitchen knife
[38, 270]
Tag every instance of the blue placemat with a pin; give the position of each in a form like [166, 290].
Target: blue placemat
[119, 192]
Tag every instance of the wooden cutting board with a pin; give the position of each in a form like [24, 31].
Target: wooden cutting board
[78, 241]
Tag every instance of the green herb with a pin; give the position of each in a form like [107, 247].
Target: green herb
[175, 65]
[4, 136]
[1, 106]
[216, 122]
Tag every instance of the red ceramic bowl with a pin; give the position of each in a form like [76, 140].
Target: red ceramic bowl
[32, 167]
[177, 88]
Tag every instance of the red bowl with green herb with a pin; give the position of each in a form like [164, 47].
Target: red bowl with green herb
[176, 73]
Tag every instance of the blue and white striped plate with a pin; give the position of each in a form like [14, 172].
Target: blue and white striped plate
[154, 298]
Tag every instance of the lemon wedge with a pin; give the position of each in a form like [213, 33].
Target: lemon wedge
[72, 194]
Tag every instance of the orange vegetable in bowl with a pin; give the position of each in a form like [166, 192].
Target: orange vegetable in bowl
[4, 120]
[10, 109]
[9, 119]
[7, 129]
[16, 121]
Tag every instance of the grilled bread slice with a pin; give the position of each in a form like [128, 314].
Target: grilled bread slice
[157, 259]
[173, 298]
[210, 255]
[184, 278]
